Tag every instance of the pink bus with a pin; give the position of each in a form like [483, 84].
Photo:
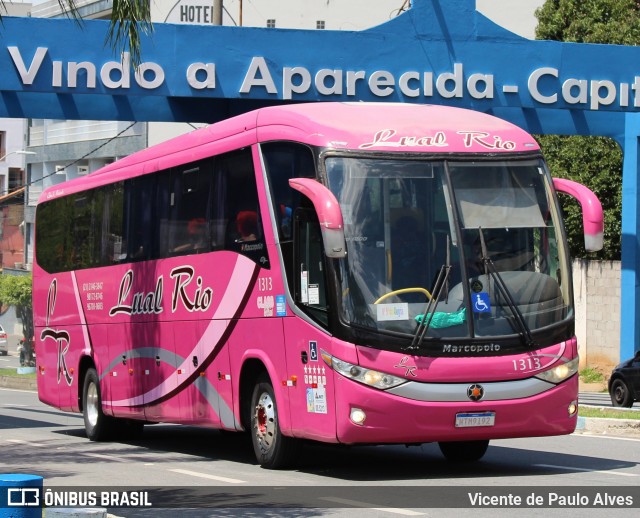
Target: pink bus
[344, 273]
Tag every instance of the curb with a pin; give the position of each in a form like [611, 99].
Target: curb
[585, 425]
[14, 382]
[608, 426]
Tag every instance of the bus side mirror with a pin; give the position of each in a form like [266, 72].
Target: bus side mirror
[329, 215]
[592, 216]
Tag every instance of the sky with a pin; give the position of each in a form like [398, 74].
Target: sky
[515, 15]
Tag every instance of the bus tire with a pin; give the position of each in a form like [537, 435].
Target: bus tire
[272, 449]
[463, 451]
[97, 425]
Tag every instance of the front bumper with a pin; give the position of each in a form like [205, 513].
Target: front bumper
[394, 419]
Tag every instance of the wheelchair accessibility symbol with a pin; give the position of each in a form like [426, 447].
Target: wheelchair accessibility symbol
[481, 302]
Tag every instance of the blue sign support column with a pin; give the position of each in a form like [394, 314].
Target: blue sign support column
[630, 282]
[20, 496]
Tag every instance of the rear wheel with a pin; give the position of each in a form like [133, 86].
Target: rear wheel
[273, 450]
[464, 451]
[621, 396]
[99, 427]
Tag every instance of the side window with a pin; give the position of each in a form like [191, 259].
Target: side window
[140, 219]
[184, 209]
[54, 234]
[238, 207]
[112, 236]
[310, 279]
[72, 231]
[203, 206]
[83, 228]
[283, 161]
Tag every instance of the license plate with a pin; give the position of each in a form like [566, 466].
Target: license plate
[472, 419]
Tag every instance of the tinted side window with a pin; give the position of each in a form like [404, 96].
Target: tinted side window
[237, 205]
[184, 208]
[283, 161]
[111, 233]
[54, 234]
[82, 230]
[203, 206]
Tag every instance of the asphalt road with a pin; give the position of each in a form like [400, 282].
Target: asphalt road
[203, 469]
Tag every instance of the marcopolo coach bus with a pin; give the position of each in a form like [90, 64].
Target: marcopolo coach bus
[344, 273]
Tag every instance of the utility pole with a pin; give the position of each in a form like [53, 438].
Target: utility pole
[217, 12]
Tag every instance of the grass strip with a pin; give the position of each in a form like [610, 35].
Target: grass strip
[609, 413]
[13, 373]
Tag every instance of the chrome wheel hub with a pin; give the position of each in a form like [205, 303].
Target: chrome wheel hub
[91, 404]
[265, 422]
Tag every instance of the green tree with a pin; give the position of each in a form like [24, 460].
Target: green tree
[15, 290]
[129, 20]
[597, 163]
[593, 161]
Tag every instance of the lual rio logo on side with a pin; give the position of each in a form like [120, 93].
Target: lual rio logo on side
[182, 295]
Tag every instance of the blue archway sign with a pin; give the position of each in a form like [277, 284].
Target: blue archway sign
[440, 51]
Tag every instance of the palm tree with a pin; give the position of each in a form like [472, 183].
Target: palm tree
[129, 20]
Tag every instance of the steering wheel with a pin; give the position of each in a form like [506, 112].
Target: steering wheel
[404, 290]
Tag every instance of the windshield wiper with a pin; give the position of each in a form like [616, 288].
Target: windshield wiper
[518, 322]
[442, 283]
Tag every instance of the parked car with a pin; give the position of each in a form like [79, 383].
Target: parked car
[624, 383]
[4, 342]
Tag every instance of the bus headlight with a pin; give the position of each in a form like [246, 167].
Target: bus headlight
[369, 377]
[560, 372]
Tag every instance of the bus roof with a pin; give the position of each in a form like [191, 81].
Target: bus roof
[395, 127]
[378, 127]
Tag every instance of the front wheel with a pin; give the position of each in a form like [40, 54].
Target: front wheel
[98, 426]
[273, 450]
[463, 451]
[620, 394]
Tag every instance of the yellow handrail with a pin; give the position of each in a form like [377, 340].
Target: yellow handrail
[403, 290]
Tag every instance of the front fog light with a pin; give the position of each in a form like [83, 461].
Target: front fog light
[572, 408]
[357, 416]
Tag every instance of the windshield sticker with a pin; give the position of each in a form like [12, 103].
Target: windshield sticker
[314, 294]
[481, 302]
[386, 312]
[304, 291]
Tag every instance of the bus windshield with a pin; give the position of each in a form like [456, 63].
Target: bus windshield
[450, 249]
